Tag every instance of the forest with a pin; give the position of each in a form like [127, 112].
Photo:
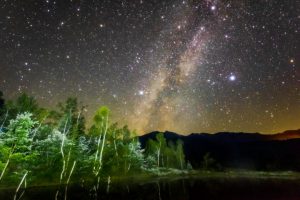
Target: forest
[41, 147]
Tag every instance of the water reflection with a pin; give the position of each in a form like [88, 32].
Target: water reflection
[170, 188]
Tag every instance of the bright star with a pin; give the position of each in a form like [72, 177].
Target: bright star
[141, 92]
[232, 77]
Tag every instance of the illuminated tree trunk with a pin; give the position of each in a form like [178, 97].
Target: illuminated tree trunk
[6, 114]
[71, 172]
[97, 152]
[7, 162]
[63, 157]
[102, 147]
[21, 182]
[158, 154]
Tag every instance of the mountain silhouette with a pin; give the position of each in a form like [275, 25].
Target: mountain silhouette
[252, 151]
[290, 134]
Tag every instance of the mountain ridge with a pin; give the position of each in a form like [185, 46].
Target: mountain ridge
[239, 150]
[285, 135]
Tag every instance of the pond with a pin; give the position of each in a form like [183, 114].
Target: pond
[180, 188]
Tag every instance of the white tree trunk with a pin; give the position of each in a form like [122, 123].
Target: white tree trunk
[102, 147]
[21, 182]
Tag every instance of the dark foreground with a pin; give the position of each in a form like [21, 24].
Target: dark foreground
[188, 187]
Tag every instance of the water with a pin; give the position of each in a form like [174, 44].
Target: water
[172, 188]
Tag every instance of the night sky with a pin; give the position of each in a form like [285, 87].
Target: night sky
[184, 66]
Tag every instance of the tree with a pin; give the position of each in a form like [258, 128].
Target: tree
[25, 103]
[123, 153]
[71, 116]
[58, 150]
[100, 128]
[2, 101]
[3, 114]
[167, 155]
[180, 154]
[50, 154]
[208, 162]
[133, 157]
[16, 145]
[157, 148]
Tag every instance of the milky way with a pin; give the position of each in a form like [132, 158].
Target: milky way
[163, 96]
[184, 66]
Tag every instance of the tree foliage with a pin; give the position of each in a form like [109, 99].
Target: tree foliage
[17, 153]
[53, 145]
[162, 154]
[208, 162]
[70, 117]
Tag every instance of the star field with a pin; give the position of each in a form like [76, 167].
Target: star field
[184, 66]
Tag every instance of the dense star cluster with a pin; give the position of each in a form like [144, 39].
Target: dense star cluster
[184, 66]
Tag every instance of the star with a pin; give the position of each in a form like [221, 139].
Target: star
[141, 92]
[163, 62]
[232, 77]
